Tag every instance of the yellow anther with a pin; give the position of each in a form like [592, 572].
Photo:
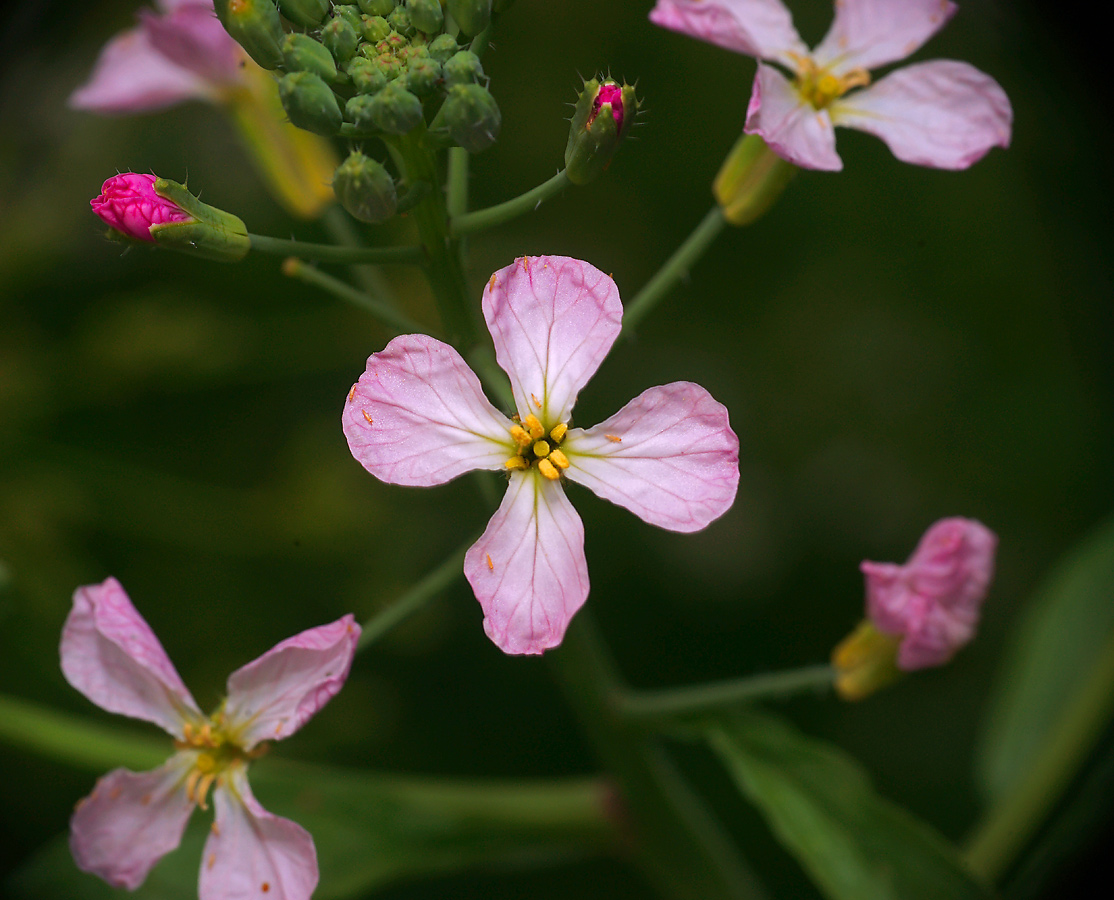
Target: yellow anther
[533, 426]
[515, 462]
[520, 436]
[202, 789]
[558, 432]
[559, 459]
[541, 449]
[548, 469]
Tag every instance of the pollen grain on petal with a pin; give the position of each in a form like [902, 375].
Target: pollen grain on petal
[265, 886]
[367, 417]
[537, 402]
[491, 284]
[352, 393]
[614, 438]
[490, 564]
[145, 800]
[211, 861]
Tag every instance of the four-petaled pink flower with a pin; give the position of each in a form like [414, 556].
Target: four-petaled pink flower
[933, 600]
[129, 204]
[418, 416]
[131, 820]
[182, 54]
[943, 113]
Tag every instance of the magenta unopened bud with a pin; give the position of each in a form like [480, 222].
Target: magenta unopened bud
[603, 115]
[611, 95]
[129, 204]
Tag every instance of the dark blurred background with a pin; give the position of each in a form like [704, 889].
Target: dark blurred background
[895, 344]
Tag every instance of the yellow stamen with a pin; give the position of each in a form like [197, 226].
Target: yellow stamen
[515, 462]
[559, 459]
[558, 432]
[548, 469]
[541, 449]
[533, 426]
[520, 436]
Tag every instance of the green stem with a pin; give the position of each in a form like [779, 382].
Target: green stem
[340, 227]
[504, 212]
[675, 268]
[457, 202]
[414, 599]
[675, 838]
[482, 360]
[332, 253]
[667, 704]
[400, 323]
[1010, 825]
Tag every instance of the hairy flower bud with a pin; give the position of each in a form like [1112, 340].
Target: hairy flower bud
[350, 13]
[366, 77]
[377, 7]
[374, 29]
[365, 189]
[307, 13]
[340, 38]
[604, 114]
[471, 15]
[463, 67]
[255, 26]
[422, 75]
[426, 15]
[442, 47]
[399, 20]
[472, 117]
[310, 103]
[301, 53]
[159, 211]
[395, 110]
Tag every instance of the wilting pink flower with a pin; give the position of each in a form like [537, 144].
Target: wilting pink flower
[933, 600]
[418, 416]
[943, 113]
[129, 204]
[131, 820]
[182, 53]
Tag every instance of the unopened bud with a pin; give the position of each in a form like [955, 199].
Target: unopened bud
[377, 7]
[366, 76]
[471, 15]
[395, 110]
[399, 20]
[604, 114]
[350, 13]
[463, 67]
[365, 189]
[310, 103]
[159, 211]
[426, 15]
[750, 180]
[340, 38]
[302, 53]
[374, 28]
[422, 75]
[472, 117]
[307, 13]
[442, 47]
[255, 26]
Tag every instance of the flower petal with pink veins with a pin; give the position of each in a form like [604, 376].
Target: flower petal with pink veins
[251, 854]
[870, 33]
[275, 695]
[944, 114]
[112, 656]
[761, 28]
[130, 821]
[131, 76]
[192, 37]
[669, 456]
[553, 319]
[528, 568]
[418, 416]
[794, 130]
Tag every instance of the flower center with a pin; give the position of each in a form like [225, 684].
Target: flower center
[535, 449]
[218, 752]
[820, 87]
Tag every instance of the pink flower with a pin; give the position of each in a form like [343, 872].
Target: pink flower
[943, 113]
[181, 54]
[129, 204]
[131, 820]
[933, 600]
[418, 416]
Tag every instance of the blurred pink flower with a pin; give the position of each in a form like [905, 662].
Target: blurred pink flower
[944, 114]
[180, 53]
[418, 416]
[131, 820]
[933, 600]
[129, 204]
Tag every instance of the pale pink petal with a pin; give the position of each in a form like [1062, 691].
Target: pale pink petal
[131, 76]
[761, 28]
[870, 33]
[418, 416]
[528, 569]
[275, 695]
[130, 821]
[192, 36]
[794, 130]
[669, 456]
[110, 654]
[553, 320]
[943, 113]
[251, 854]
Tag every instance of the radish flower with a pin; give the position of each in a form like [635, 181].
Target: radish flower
[131, 820]
[418, 416]
[129, 204]
[944, 114]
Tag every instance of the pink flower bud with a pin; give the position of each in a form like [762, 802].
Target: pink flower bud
[611, 94]
[933, 600]
[129, 204]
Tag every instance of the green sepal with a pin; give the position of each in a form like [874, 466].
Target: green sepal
[212, 233]
[426, 15]
[399, 20]
[307, 13]
[471, 15]
[443, 47]
[750, 180]
[377, 7]
[366, 77]
[463, 67]
[375, 29]
[365, 188]
[255, 26]
[423, 75]
[395, 110]
[341, 38]
[594, 135]
[310, 103]
[472, 117]
[302, 53]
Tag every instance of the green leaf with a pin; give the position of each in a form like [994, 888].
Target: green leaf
[855, 844]
[1055, 647]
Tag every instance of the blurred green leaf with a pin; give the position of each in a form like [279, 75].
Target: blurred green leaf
[1055, 647]
[855, 844]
